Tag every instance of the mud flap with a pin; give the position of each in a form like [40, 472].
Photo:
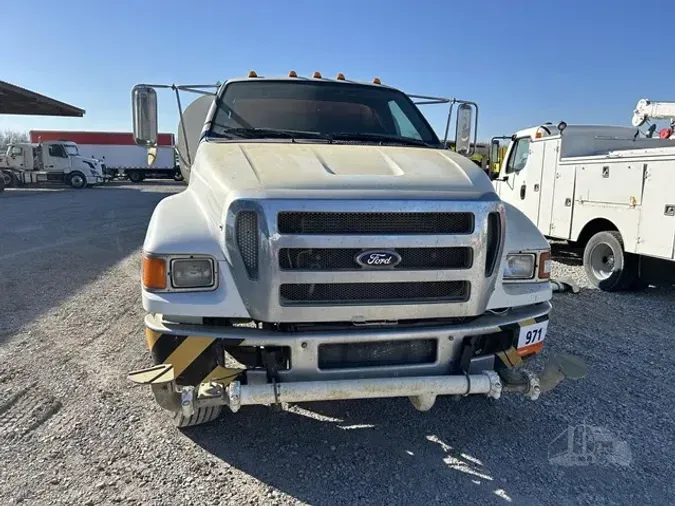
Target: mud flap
[194, 359]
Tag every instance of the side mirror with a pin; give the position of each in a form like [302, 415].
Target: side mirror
[144, 103]
[463, 129]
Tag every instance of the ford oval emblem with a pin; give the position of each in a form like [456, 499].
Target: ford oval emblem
[378, 259]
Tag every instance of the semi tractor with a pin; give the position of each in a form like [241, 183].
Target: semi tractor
[58, 162]
[606, 189]
[120, 154]
[330, 246]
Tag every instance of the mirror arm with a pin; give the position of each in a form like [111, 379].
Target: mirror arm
[182, 124]
[447, 123]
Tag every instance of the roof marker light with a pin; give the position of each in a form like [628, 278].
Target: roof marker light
[292, 74]
[317, 75]
[377, 81]
[340, 77]
[252, 73]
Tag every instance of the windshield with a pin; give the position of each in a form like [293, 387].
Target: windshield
[319, 110]
[72, 150]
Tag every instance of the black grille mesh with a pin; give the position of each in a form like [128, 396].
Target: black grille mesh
[377, 354]
[350, 293]
[324, 259]
[246, 230]
[374, 223]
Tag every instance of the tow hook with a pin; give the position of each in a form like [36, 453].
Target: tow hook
[561, 366]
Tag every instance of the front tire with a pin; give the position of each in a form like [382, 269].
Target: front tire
[77, 180]
[8, 179]
[607, 265]
[199, 417]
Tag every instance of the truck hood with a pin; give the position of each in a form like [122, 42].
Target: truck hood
[268, 166]
[95, 161]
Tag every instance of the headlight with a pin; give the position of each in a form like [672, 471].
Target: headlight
[178, 273]
[519, 266]
[192, 273]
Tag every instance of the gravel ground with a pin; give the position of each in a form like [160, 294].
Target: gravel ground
[74, 431]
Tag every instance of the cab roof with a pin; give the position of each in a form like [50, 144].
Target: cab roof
[311, 79]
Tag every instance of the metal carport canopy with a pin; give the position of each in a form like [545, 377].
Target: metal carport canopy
[17, 100]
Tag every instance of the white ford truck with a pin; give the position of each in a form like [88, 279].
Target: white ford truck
[329, 246]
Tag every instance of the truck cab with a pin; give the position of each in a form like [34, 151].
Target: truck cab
[50, 162]
[330, 246]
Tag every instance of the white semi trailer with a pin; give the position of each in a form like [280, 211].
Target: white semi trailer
[607, 189]
[120, 154]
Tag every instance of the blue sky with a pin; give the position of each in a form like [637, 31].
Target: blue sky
[524, 62]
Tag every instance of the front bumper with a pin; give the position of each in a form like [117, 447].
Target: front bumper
[186, 348]
[189, 348]
[96, 179]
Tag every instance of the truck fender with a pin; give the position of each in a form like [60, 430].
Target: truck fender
[521, 233]
[178, 225]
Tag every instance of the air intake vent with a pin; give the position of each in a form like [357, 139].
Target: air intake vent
[374, 223]
[373, 293]
[246, 231]
[494, 232]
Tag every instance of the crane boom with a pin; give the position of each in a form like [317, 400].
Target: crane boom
[645, 110]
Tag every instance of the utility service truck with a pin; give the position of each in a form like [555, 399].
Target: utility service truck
[606, 189]
[49, 162]
[330, 246]
[122, 157]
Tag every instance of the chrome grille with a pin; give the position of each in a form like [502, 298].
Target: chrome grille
[442, 273]
[246, 230]
[335, 259]
[374, 223]
[355, 293]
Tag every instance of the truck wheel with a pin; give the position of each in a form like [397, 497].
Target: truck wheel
[200, 416]
[77, 180]
[606, 263]
[135, 176]
[8, 179]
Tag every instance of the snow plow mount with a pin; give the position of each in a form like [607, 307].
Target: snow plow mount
[421, 390]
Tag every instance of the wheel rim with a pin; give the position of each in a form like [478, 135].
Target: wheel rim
[602, 261]
[7, 178]
[77, 180]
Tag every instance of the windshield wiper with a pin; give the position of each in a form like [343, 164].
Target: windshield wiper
[381, 138]
[268, 133]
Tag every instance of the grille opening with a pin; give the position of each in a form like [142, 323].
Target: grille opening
[377, 354]
[335, 259]
[356, 293]
[494, 233]
[331, 223]
[246, 231]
